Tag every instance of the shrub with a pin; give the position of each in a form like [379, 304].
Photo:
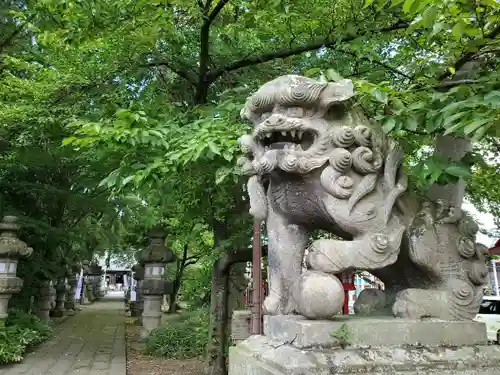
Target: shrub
[29, 321]
[184, 336]
[21, 331]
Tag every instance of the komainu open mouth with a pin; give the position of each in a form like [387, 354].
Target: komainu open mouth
[300, 140]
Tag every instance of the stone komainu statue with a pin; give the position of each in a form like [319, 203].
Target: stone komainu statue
[316, 162]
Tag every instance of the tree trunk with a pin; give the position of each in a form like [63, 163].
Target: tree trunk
[218, 334]
[453, 148]
[215, 363]
[172, 301]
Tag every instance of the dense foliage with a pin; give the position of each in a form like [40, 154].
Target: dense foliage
[22, 331]
[183, 336]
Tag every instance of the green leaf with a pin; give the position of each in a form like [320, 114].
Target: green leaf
[407, 5]
[436, 29]
[389, 125]
[411, 124]
[453, 129]
[479, 134]
[458, 31]
[429, 15]
[69, 140]
[473, 126]
[380, 95]
[451, 119]
[458, 170]
[227, 155]
[367, 3]
[312, 72]
[213, 147]
[332, 75]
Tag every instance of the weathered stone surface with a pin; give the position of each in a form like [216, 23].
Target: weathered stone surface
[317, 162]
[11, 249]
[69, 303]
[372, 302]
[61, 289]
[45, 300]
[318, 295]
[261, 356]
[240, 326]
[151, 315]
[372, 332]
[155, 286]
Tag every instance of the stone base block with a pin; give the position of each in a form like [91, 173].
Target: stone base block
[260, 355]
[372, 332]
[57, 313]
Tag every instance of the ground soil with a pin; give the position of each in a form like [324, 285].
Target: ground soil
[139, 363]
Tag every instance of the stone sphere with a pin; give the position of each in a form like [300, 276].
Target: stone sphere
[318, 295]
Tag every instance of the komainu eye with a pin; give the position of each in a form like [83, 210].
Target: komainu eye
[265, 116]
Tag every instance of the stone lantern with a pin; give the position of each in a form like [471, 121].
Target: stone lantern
[69, 303]
[61, 290]
[11, 249]
[45, 300]
[96, 273]
[154, 257]
[93, 275]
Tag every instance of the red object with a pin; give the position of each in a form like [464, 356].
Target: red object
[495, 250]
[347, 279]
[256, 326]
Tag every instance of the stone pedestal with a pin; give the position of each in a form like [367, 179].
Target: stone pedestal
[45, 300]
[61, 290]
[240, 326]
[295, 346]
[85, 297]
[69, 304]
[151, 315]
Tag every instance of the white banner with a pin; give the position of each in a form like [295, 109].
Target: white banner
[133, 293]
[78, 292]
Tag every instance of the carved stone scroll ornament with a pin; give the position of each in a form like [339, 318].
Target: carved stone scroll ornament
[315, 161]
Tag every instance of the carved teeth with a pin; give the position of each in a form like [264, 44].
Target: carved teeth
[283, 133]
[299, 134]
[268, 135]
[292, 132]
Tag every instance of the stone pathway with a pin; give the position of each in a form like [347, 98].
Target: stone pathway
[90, 343]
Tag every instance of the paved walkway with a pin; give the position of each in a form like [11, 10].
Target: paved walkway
[90, 343]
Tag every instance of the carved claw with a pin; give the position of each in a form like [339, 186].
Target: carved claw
[373, 252]
[455, 214]
[272, 305]
[420, 303]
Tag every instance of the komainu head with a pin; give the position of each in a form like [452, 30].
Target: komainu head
[297, 122]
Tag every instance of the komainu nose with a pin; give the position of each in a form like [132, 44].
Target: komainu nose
[275, 120]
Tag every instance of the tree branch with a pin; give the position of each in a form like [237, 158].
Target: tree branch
[191, 262]
[179, 71]
[376, 62]
[469, 55]
[287, 52]
[216, 11]
[231, 257]
[7, 41]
